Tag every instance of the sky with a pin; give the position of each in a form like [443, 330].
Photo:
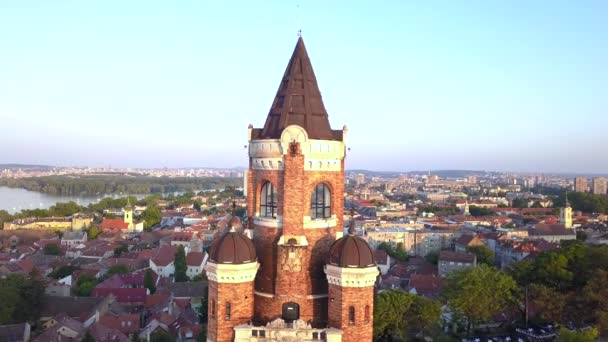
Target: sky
[477, 85]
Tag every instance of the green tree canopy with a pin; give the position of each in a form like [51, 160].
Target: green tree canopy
[180, 265]
[476, 294]
[151, 216]
[483, 253]
[52, 249]
[149, 281]
[396, 312]
[117, 269]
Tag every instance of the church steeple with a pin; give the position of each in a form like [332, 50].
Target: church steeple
[298, 101]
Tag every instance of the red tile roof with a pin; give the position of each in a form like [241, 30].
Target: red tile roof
[126, 323]
[126, 295]
[194, 258]
[113, 224]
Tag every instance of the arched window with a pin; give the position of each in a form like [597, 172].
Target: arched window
[228, 311]
[351, 315]
[320, 202]
[366, 316]
[213, 308]
[268, 206]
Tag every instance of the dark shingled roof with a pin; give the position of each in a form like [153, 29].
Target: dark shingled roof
[232, 248]
[298, 102]
[351, 251]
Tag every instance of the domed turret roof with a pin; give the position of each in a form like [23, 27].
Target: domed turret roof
[351, 251]
[232, 248]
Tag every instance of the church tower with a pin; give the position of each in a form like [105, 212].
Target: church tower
[565, 214]
[128, 214]
[295, 197]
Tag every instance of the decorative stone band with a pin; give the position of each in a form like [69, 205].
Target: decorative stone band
[270, 295]
[270, 222]
[307, 223]
[351, 277]
[311, 148]
[329, 222]
[231, 273]
[279, 330]
[310, 164]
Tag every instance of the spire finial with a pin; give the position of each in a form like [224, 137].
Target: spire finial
[299, 33]
[351, 227]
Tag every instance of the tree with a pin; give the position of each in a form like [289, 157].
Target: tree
[151, 217]
[117, 269]
[549, 303]
[202, 310]
[85, 285]
[476, 294]
[483, 253]
[149, 281]
[62, 272]
[93, 232]
[519, 203]
[161, 336]
[121, 249]
[589, 335]
[424, 315]
[180, 265]
[389, 310]
[52, 249]
[480, 211]
[88, 338]
[21, 298]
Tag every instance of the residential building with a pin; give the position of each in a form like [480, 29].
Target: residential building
[580, 184]
[73, 238]
[599, 186]
[452, 261]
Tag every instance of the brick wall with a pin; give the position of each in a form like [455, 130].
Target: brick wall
[339, 301]
[240, 296]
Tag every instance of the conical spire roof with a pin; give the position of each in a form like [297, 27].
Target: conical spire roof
[298, 101]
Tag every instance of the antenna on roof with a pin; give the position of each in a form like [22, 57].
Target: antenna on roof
[299, 19]
[351, 228]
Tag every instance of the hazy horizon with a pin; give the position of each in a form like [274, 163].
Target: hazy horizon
[510, 87]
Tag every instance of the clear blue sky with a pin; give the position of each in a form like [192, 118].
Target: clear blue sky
[495, 85]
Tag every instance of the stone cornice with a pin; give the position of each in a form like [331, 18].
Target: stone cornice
[351, 277]
[231, 273]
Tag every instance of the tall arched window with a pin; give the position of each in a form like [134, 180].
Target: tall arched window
[320, 202]
[366, 316]
[351, 315]
[228, 309]
[268, 198]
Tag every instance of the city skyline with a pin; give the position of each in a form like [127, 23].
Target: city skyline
[420, 88]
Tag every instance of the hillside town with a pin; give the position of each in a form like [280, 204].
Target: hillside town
[109, 274]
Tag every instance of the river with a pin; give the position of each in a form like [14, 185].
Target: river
[14, 200]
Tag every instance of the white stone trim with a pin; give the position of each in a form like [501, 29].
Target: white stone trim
[329, 222]
[270, 222]
[263, 294]
[317, 296]
[231, 273]
[267, 163]
[351, 277]
[322, 164]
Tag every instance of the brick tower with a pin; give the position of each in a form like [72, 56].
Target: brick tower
[231, 269]
[351, 273]
[295, 197]
[311, 282]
